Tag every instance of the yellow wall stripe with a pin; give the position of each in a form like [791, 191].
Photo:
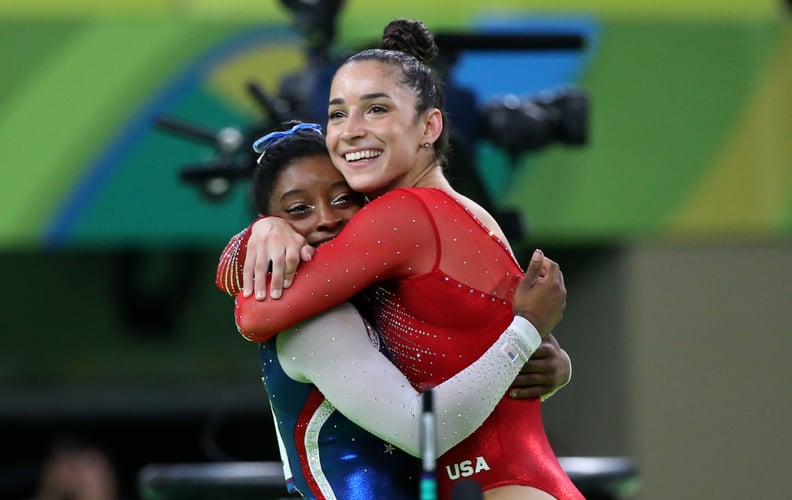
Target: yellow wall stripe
[751, 181]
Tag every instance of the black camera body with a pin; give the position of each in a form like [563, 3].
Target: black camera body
[523, 125]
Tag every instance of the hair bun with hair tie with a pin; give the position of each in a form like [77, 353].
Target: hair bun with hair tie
[411, 37]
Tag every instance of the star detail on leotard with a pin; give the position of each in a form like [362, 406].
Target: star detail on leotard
[389, 448]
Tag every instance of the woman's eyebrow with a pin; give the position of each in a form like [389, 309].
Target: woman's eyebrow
[291, 192]
[364, 97]
[374, 95]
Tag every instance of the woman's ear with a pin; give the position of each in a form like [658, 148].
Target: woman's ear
[433, 126]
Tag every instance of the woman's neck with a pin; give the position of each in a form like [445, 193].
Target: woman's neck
[433, 177]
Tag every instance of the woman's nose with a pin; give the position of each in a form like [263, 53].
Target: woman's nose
[352, 128]
[328, 220]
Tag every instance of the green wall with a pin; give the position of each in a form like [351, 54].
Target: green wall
[687, 129]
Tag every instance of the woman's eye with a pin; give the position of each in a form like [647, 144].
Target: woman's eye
[377, 108]
[348, 199]
[298, 209]
[334, 115]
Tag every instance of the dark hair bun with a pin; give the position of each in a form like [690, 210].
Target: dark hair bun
[410, 37]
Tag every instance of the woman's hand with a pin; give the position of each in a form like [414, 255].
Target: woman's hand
[541, 295]
[274, 246]
[548, 370]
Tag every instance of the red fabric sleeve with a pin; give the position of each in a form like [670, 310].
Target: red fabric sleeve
[394, 236]
[232, 260]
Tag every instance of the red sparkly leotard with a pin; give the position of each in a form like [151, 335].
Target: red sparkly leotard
[443, 295]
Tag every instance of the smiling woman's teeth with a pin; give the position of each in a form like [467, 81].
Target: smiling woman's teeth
[359, 155]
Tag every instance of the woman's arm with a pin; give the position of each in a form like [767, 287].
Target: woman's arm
[392, 237]
[548, 370]
[333, 351]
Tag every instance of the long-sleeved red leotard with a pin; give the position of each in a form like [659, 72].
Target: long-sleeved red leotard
[444, 289]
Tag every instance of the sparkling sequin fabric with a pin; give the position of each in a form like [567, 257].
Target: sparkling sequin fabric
[442, 295]
[326, 456]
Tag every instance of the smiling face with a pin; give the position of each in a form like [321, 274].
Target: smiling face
[374, 134]
[314, 199]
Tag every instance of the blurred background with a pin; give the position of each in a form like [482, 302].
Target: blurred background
[643, 145]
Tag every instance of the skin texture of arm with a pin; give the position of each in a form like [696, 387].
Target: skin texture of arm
[333, 351]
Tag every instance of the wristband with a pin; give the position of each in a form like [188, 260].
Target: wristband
[525, 335]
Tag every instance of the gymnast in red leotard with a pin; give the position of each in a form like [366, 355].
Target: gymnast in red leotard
[321, 370]
[442, 274]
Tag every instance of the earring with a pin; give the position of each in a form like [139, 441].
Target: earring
[426, 145]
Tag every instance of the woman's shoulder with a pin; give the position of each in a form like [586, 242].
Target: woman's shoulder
[437, 201]
[403, 201]
[399, 205]
[412, 195]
